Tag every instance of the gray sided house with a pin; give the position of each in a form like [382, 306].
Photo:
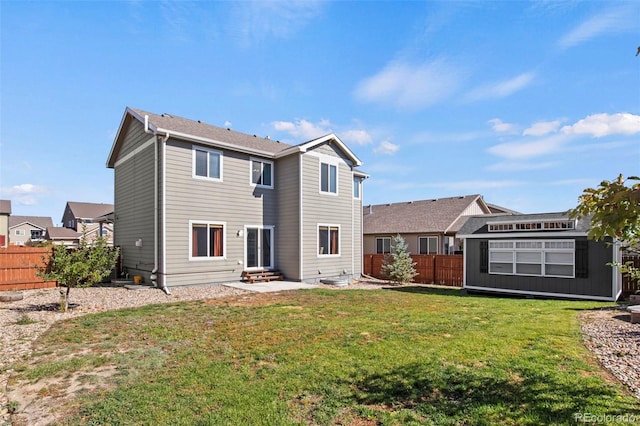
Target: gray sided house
[427, 226]
[540, 255]
[199, 204]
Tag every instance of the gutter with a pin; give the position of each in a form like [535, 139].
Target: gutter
[154, 273]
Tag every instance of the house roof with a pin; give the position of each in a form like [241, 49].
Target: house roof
[89, 210]
[5, 206]
[60, 233]
[426, 216]
[198, 131]
[41, 222]
[478, 225]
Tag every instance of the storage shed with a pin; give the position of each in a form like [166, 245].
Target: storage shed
[541, 255]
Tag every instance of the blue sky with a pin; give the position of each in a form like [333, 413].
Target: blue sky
[526, 103]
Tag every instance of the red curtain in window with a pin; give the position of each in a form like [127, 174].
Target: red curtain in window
[334, 240]
[194, 241]
[216, 241]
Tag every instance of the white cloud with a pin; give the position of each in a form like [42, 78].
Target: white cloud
[501, 89]
[524, 150]
[542, 128]
[255, 21]
[613, 21]
[598, 125]
[404, 85]
[519, 166]
[500, 127]
[24, 194]
[303, 129]
[386, 148]
[227, 124]
[359, 137]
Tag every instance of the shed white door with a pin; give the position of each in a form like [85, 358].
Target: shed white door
[259, 244]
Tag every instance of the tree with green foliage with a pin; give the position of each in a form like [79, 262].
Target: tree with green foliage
[614, 211]
[398, 267]
[79, 267]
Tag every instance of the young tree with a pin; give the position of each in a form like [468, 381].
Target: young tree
[614, 210]
[398, 267]
[78, 267]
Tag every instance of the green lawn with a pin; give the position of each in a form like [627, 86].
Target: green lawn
[392, 357]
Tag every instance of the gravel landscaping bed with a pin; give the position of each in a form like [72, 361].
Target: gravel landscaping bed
[607, 333]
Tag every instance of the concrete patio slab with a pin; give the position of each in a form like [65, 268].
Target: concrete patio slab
[271, 286]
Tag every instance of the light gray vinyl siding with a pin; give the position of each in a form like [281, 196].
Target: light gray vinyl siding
[357, 236]
[233, 201]
[326, 209]
[288, 226]
[133, 199]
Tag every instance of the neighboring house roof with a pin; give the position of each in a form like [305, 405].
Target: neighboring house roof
[494, 208]
[428, 216]
[41, 222]
[478, 225]
[5, 206]
[89, 210]
[200, 132]
[60, 233]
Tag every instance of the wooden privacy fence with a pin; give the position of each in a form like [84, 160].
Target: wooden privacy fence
[432, 269]
[18, 268]
[629, 286]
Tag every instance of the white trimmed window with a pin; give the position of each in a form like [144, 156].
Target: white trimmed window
[357, 187]
[541, 258]
[328, 178]
[428, 245]
[328, 240]
[19, 232]
[207, 240]
[207, 163]
[383, 245]
[261, 173]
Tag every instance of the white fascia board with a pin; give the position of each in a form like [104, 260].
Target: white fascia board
[213, 142]
[542, 294]
[517, 235]
[315, 142]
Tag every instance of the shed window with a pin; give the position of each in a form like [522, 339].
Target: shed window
[543, 258]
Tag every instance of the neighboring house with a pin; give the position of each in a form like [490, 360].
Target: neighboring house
[89, 219]
[63, 236]
[5, 213]
[545, 254]
[25, 229]
[427, 226]
[199, 204]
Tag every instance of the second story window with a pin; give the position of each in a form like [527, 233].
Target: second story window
[328, 178]
[262, 173]
[207, 163]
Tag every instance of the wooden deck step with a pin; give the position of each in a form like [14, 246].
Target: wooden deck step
[262, 276]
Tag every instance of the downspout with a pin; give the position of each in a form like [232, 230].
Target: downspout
[154, 273]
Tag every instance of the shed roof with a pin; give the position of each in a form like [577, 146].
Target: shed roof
[428, 216]
[478, 225]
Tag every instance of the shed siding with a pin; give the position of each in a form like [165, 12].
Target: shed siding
[233, 201]
[133, 198]
[288, 225]
[597, 283]
[326, 209]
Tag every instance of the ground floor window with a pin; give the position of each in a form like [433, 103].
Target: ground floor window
[383, 245]
[544, 258]
[428, 245]
[207, 240]
[328, 240]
